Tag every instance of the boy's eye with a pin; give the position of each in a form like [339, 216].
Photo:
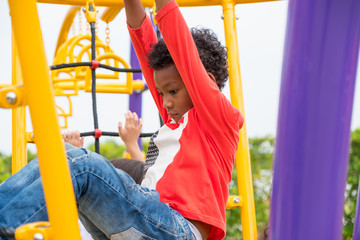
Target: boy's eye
[161, 94]
[173, 91]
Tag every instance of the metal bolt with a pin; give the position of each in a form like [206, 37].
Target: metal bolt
[236, 17]
[38, 236]
[236, 200]
[11, 97]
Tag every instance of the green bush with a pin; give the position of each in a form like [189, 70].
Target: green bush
[112, 150]
[352, 185]
[5, 167]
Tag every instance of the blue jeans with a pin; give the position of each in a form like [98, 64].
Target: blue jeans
[110, 204]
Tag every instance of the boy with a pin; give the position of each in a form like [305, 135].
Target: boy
[197, 113]
[190, 159]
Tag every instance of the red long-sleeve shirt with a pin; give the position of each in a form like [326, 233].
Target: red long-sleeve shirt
[196, 156]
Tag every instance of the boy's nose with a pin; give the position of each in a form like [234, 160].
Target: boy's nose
[167, 104]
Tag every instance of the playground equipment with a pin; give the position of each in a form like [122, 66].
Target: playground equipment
[62, 213]
[321, 56]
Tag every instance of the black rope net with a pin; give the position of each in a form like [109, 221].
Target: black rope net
[93, 65]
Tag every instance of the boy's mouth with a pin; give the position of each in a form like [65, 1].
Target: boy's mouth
[173, 115]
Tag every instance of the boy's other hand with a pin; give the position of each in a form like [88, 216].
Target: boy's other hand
[73, 137]
[131, 131]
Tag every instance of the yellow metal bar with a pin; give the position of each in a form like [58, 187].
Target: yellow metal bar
[19, 154]
[243, 168]
[116, 87]
[110, 13]
[5, 85]
[54, 170]
[150, 3]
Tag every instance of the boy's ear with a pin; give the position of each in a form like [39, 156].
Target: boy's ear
[212, 76]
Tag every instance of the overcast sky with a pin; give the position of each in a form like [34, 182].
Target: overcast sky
[261, 33]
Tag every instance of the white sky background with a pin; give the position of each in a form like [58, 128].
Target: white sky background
[261, 32]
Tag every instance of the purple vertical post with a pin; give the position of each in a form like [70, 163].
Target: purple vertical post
[135, 98]
[313, 134]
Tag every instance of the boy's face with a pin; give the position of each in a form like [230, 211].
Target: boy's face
[176, 99]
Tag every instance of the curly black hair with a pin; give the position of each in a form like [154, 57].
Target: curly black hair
[212, 54]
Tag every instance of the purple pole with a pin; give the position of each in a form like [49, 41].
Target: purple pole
[136, 97]
[313, 135]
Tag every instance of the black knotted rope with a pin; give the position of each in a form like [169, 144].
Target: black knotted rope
[111, 134]
[97, 133]
[89, 64]
[93, 84]
[133, 70]
[70, 65]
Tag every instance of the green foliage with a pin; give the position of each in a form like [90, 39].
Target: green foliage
[5, 167]
[145, 144]
[30, 155]
[110, 149]
[352, 185]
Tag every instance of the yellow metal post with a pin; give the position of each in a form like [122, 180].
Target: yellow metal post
[19, 155]
[243, 168]
[54, 170]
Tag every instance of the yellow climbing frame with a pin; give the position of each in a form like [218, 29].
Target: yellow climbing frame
[37, 92]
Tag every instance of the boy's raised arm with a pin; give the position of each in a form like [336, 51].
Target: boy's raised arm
[142, 36]
[212, 107]
[160, 4]
[135, 13]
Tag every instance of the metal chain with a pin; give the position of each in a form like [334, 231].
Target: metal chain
[80, 22]
[107, 31]
[96, 26]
